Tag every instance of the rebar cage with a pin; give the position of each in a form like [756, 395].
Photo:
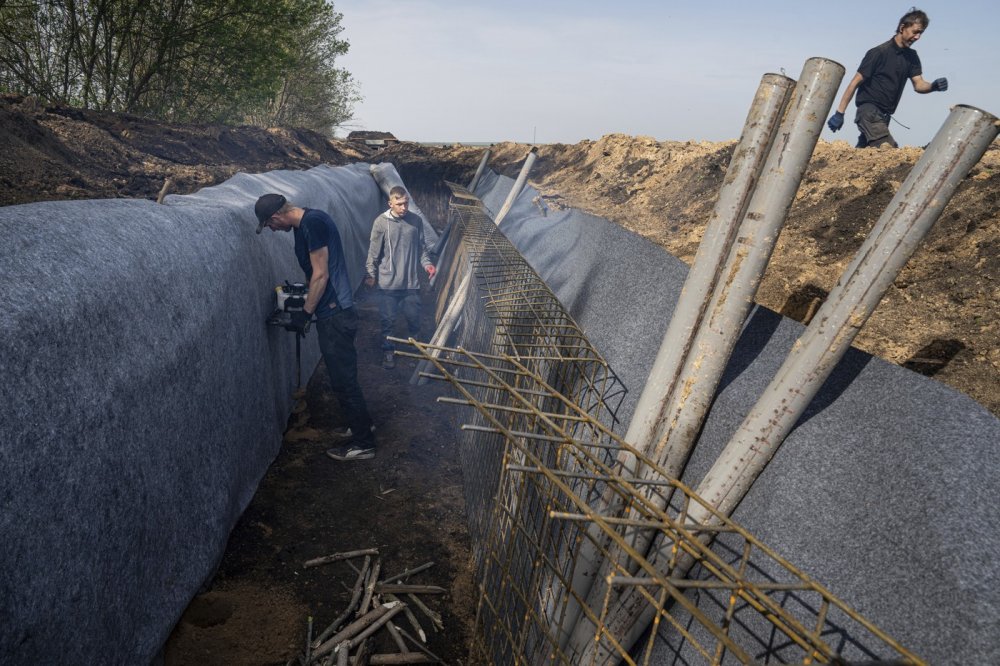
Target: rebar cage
[554, 498]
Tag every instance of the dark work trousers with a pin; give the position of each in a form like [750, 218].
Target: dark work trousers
[874, 126]
[390, 302]
[336, 341]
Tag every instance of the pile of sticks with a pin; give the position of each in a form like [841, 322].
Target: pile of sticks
[375, 603]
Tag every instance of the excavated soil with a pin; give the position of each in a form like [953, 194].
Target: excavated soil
[938, 319]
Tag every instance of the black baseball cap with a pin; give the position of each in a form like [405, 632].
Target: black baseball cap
[266, 206]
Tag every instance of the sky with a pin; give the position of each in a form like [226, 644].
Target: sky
[559, 71]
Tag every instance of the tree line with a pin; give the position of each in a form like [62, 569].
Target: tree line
[260, 62]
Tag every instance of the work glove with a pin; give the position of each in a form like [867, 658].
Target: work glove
[836, 121]
[431, 270]
[301, 321]
[940, 85]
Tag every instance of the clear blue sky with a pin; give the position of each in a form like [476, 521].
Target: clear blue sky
[560, 71]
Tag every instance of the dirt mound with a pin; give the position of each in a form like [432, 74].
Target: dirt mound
[51, 153]
[939, 316]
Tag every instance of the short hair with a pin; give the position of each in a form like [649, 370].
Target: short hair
[398, 192]
[913, 16]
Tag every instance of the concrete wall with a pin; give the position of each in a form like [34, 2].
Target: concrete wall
[142, 399]
[885, 492]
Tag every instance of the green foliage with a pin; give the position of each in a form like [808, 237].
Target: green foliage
[268, 62]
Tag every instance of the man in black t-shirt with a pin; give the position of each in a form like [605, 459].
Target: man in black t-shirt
[319, 252]
[880, 81]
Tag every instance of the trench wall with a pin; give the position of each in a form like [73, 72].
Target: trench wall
[885, 492]
[142, 399]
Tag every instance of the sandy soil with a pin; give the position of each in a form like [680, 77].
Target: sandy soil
[939, 318]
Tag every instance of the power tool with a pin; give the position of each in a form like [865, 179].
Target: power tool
[290, 297]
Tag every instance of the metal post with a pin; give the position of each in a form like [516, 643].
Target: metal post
[957, 147]
[747, 162]
[448, 323]
[515, 191]
[731, 300]
[737, 284]
[480, 169]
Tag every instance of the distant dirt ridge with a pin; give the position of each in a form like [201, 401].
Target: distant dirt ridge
[939, 318]
[50, 153]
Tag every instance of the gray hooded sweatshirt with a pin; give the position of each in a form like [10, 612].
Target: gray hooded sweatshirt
[396, 254]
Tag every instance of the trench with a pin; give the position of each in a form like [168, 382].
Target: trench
[821, 502]
[407, 503]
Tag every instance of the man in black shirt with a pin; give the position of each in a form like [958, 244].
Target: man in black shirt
[331, 300]
[880, 81]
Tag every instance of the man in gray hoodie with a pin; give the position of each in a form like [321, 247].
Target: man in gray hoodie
[395, 257]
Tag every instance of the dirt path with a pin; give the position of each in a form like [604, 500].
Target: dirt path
[407, 502]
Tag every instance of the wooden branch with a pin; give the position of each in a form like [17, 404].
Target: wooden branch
[370, 587]
[407, 658]
[337, 557]
[355, 598]
[435, 618]
[419, 645]
[397, 638]
[408, 572]
[353, 629]
[375, 626]
[364, 654]
[395, 588]
[411, 618]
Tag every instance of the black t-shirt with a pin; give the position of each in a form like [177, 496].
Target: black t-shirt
[317, 230]
[886, 68]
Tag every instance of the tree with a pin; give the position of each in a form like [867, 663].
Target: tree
[262, 61]
[313, 92]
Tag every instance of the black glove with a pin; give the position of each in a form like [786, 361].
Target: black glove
[300, 321]
[836, 121]
[940, 85]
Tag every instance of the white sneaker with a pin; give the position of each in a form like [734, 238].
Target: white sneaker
[355, 451]
[345, 432]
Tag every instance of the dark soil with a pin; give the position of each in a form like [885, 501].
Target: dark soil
[407, 502]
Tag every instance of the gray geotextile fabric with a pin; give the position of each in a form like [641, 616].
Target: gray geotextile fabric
[142, 400]
[886, 490]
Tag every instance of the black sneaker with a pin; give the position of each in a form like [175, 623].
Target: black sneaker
[388, 360]
[352, 451]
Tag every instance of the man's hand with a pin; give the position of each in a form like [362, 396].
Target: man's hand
[939, 85]
[300, 321]
[836, 121]
[369, 281]
[430, 270]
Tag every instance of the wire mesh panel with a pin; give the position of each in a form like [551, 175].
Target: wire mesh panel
[546, 492]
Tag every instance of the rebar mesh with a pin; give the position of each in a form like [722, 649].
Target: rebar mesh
[546, 488]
